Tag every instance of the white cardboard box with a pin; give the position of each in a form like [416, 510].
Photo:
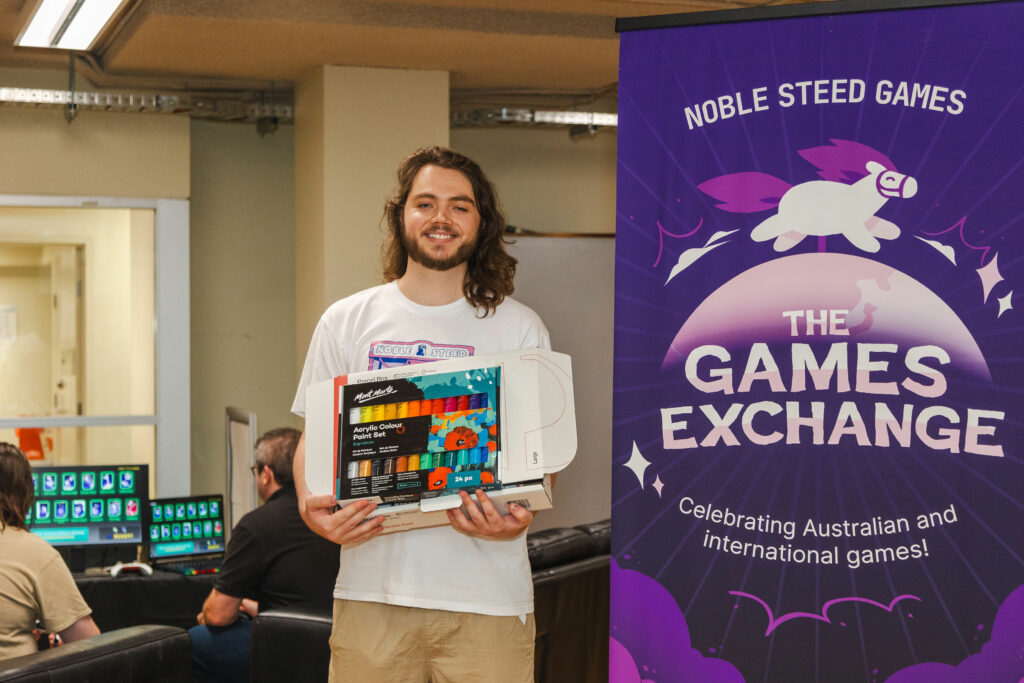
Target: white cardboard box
[537, 423]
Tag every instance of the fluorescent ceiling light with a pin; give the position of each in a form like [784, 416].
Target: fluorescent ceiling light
[68, 24]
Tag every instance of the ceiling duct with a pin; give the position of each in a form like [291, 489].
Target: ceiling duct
[268, 110]
[238, 108]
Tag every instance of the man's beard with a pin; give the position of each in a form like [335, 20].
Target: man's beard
[461, 255]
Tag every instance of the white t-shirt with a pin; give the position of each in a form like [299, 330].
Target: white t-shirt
[435, 568]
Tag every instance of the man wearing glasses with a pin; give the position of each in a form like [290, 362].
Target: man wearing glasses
[273, 560]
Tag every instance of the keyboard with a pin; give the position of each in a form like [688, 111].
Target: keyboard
[193, 567]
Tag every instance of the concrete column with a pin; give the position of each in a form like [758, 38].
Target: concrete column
[353, 125]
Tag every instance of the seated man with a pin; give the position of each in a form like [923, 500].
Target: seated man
[35, 584]
[272, 560]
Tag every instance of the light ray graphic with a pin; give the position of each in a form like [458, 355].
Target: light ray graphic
[754, 485]
[647, 386]
[969, 509]
[817, 579]
[679, 546]
[654, 195]
[965, 164]
[644, 271]
[998, 232]
[657, 136]
[724, 65]
[782, 119]
[883, 487]
[899, 118]
[939, 597]
[668, 151]
[623, 299]
[670, 65]
[782, 573]
[669, 508]
[862, 490]
[991, 485]
[622, 221]
[853, 579]
[870, 52]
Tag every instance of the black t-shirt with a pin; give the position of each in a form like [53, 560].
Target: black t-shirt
[275, 559]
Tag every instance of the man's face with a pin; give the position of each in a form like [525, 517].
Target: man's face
[440, 218]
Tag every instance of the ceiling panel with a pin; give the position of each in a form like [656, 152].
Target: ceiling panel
[541, 44]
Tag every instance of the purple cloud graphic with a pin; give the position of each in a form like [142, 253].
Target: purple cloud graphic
[1000, 660]
[774, 623]
[650, 640]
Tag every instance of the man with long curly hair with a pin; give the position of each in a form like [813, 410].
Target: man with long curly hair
[449, 603]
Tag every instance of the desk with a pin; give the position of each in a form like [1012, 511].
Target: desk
[128, 600]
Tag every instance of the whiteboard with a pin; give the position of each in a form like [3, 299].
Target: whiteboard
[569, 281]
[240, 438]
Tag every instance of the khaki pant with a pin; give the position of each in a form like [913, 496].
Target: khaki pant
[372, 642]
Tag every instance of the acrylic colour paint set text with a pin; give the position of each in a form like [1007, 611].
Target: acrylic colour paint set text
[405, 439]
[410, 438]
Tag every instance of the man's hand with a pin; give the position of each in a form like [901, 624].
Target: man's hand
[485, 520]
[345, 526]
[249, 607]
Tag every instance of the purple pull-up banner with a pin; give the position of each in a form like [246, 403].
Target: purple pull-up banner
[819, 387]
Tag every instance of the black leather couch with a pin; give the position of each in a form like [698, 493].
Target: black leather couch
[137, 654]
[570, 580]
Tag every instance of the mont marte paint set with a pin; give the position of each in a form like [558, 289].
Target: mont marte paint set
[410, 438]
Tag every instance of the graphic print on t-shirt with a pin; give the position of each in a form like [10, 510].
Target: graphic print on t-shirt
[390, 354]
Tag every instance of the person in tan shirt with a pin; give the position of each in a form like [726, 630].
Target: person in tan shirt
[35, 584]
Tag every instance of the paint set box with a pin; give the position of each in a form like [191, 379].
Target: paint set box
[410, 438]
[401, 440]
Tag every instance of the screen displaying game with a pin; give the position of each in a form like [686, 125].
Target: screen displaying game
[89, 505]
[183, 527]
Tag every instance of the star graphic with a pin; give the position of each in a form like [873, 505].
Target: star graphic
[1004, 304]
[658, 485]
[990, 277]
[638, 464]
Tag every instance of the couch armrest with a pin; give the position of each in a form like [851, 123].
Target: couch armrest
[278, 635]
[161, 654]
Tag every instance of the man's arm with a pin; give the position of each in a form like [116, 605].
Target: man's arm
[81, 629]
[345, 526]
[219, 609]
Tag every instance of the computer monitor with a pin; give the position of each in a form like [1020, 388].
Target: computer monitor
[90, 507]
[186, 527]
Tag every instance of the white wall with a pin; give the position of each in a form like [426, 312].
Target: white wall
[243, 286]
[547, 182]
[25, 360]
